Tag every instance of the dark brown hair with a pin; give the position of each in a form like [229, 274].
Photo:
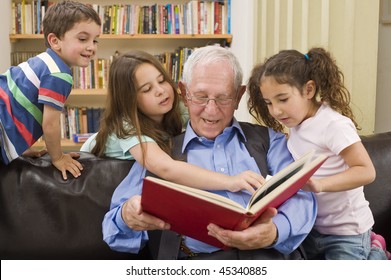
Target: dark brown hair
[62, 16]
[122, 116]
[295, 69]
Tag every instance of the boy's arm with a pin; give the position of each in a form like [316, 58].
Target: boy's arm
[52, 133]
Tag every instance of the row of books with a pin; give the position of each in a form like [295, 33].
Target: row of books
[193, 17]
[95, 76]
[79, 120]
[27, 16]
[173, 61]
[19, 57]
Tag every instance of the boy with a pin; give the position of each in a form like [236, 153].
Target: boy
[33, 93]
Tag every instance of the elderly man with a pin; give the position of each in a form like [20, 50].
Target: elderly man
[211, 89]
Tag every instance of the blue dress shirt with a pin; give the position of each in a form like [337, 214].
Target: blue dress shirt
[226, 154]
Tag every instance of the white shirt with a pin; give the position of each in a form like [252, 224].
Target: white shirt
[328, 133]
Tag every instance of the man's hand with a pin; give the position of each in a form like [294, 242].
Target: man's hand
[66, 163]
[136, 219]
[260, 235]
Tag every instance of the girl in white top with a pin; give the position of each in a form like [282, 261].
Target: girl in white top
[306, 93]
[141, 115]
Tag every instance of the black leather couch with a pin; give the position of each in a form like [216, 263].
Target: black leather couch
[44, 217]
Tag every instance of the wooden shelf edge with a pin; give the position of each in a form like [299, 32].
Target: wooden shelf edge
[227, 37]
[66, 145]
[88, 92]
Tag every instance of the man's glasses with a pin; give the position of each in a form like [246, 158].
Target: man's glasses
[203, 101]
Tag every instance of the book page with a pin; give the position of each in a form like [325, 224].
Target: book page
[280, 177]
[212, 197]
[290, 186]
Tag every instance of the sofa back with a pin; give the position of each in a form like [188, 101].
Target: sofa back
[378, 193]
[43, 216]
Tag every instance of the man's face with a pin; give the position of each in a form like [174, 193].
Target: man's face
[215, 81]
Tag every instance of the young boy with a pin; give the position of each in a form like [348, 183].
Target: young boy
[33, 93]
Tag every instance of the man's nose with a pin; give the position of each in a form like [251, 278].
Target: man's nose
[211, 105]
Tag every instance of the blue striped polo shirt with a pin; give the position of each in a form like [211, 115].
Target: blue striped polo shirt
[24, 89]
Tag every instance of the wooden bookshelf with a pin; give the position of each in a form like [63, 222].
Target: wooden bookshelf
[89, 92]
[118, 43]
[67, 145]
[225, 37]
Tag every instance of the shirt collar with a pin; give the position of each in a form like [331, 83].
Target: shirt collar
[61, 63]
[190, 135]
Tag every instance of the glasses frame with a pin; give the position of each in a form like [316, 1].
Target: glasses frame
[205, 100]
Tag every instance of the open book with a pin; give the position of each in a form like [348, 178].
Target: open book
[189, 210]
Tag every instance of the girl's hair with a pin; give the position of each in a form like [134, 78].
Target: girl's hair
[62, 16]
[295, 69]
[122, 116]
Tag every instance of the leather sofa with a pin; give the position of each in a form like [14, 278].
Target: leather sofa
[43, 216]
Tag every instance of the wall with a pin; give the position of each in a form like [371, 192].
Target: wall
[244, 44]
[5, 22]
[383, 97]
[336, 25]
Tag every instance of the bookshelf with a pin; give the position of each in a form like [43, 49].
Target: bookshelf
[223, 38]
[114, 41]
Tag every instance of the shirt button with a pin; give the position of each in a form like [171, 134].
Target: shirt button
[218, 146]
[222, 169]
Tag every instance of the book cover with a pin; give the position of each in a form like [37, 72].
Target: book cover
[96, 116]
[189, 210]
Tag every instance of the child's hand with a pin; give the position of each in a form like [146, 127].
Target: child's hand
[247, 180]
[313, 185]
[30, 152]
[67, 163]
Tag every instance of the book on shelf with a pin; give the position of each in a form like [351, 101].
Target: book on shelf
[186, 18]
[189, 210]
[81, 137]
[79, 120]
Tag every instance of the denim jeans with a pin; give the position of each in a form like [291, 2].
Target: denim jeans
[341, 247]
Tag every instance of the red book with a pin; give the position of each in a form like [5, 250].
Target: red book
[189, 210]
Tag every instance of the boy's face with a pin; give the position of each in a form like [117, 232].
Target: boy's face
[79, 44]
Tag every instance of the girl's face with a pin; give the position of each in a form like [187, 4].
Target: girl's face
[78, 45]
[286, 103]
[155, 96]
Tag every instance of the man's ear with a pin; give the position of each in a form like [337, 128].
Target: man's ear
[310, 89]
[182, 89]
[54, 42]
[241, 91]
